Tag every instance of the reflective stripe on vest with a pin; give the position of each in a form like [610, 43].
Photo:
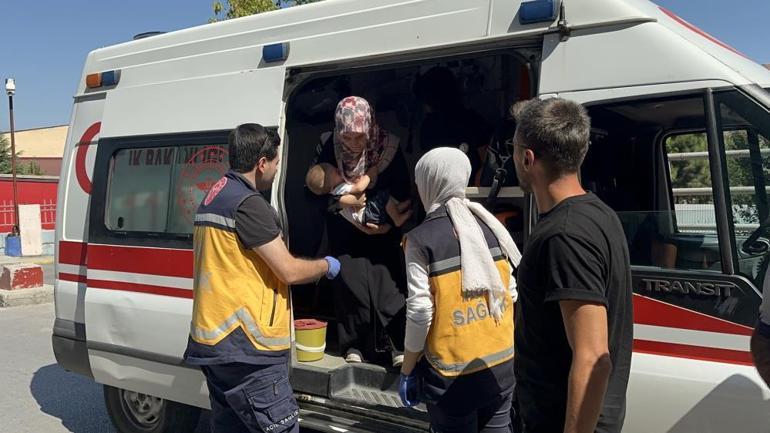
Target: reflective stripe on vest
[454, 262]
[240, 316]
[216, 219]
[475, 365]
[464, 338]
[233, 286]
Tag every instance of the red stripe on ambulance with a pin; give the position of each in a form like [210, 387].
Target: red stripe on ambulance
[179, 263]
[648, 311]
[72, 277]
[697, 30]
[141, 288]
[72, 253]
[156, 261]
[693, 352]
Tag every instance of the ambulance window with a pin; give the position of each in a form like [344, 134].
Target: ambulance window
[157, 189]
[694, 236]
[745, 128]
[647, 162]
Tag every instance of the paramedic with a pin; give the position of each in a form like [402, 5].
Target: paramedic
[462, 322]
[240, 328]
[574, 318]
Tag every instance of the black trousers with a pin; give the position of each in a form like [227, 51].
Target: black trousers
[367, 302]
[493, 417]
[251, 398]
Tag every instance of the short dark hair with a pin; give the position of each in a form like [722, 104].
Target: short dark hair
[556, 130]
[250, 142]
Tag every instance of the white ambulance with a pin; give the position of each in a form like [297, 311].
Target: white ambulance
[680, 150]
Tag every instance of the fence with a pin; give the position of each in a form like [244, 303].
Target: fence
[47, 215]
[701, 218]
[31, 190]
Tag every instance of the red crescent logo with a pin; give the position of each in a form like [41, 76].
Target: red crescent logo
[80, 158]
[214, 191]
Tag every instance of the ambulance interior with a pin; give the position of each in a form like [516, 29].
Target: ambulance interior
[490, 83]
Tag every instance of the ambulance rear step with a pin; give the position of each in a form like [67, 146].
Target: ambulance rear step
[337, 417]
[361, 392]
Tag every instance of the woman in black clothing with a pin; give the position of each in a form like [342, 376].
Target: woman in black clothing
[370, 291]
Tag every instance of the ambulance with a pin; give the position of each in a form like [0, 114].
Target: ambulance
[679, 149]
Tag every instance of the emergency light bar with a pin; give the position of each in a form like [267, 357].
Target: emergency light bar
[538, 11]
[103, 79]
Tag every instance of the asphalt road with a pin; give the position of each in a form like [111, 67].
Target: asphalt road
[36, 395]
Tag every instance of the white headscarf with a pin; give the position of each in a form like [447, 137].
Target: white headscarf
[441, 176]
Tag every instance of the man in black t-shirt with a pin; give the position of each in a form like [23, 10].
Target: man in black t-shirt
[574, 318]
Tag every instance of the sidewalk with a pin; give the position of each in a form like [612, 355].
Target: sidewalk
[38, 260]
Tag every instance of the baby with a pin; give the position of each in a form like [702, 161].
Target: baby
[377, 208]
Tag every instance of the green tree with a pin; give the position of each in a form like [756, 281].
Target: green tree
[242, 8]
[5, 160]
[741, 170]
[30, 168]
[689, 173]
[5, 154]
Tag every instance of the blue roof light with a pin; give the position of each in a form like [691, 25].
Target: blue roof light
[275, 52]
[538, 11]
[110, 78]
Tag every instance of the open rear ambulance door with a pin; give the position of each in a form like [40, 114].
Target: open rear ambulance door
[72, 213]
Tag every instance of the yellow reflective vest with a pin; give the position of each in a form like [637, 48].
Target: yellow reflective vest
[463, 338]
[233, 287]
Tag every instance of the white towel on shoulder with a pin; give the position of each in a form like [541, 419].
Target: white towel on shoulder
[441, 176]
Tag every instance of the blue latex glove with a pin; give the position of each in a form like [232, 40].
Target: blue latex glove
[409, 390]
[334, 267]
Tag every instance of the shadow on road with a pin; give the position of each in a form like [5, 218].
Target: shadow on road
[76, 400]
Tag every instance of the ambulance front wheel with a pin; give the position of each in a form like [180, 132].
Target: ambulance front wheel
[133, 412]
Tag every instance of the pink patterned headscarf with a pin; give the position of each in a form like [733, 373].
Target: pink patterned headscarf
[354, 114]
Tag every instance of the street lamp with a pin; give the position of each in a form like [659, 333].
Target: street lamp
[10, 89]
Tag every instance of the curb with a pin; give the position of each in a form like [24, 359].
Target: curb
[43, 261]
[35, 295]
[36, 260]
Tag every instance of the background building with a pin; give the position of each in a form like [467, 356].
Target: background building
[44, 146]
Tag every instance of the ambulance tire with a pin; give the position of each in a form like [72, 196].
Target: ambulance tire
[132, 412]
